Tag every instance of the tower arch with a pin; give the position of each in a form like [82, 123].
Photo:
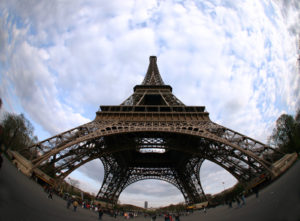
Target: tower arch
[156, 192]
[152, 118]
[217, 182]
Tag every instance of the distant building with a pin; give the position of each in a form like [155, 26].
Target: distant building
[146, 204]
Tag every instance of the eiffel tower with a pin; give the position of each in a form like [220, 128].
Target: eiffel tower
[153, 135]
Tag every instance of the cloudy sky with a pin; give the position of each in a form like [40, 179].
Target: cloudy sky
[61, 59]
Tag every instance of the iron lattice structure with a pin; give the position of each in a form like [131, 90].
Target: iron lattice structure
[153, 135]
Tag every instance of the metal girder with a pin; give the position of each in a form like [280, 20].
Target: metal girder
[137, 97]
[153, 135]
[189, 180]
[215, 147]
[115, 177]
[152, 76]
[111, 128]
[185, 178]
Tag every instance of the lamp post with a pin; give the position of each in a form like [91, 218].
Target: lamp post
[69, 184]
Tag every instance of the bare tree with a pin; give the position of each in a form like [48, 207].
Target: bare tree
[286, 134]
[17, 133]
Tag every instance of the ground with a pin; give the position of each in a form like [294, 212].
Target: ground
[21, 199]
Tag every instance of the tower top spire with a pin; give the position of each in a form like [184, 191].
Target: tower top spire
[153, 77]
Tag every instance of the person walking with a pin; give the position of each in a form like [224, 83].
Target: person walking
[75, 204]
[167, 217]
[230, 203]
[238, 202]
[69, 201]
[153, 218]
[243, 199]
[100, 213]
[177, 217]
[50, 193]
[255, 190]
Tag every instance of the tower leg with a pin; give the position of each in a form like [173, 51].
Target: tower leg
[115, 178]
[189, 181]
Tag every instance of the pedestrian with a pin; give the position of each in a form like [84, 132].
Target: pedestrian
[255, 190]
[100, 213]
[69, 201]
[177, 217]
[75, 204]
[238, 202]
[204, 210]
[167, 217]
[50, 193]
[243, 199]
[153, 218]
[230, 204]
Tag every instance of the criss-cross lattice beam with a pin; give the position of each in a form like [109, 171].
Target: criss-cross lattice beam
[142, 173]
[108, 128]
[231, 150]
[189, 180]
[152, 134]
[137, 97]
[241, 140]
[115, 177]
[152, 76]
[186, 180]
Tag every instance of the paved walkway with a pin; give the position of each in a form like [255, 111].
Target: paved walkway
[21, 199]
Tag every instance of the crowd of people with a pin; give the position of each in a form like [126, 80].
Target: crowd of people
[241, 198]
[126, 215]
[174, 217]
[240, 201]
